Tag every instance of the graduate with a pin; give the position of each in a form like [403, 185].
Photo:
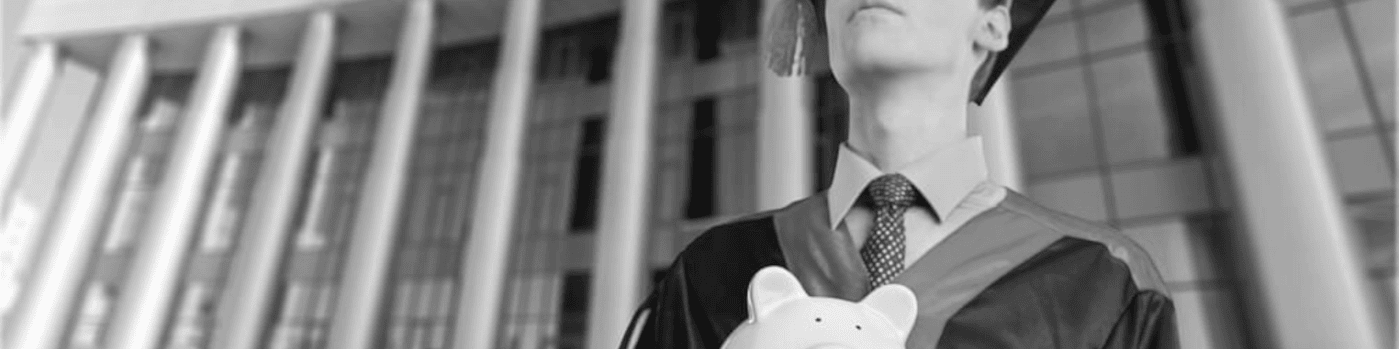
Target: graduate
[910, 202]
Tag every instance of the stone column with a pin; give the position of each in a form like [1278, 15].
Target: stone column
[44, 308]
[624, 214]
[1306, 260]
[17, 126]
[367, 264]
[488, 246]
[253, 275]
[143, 308]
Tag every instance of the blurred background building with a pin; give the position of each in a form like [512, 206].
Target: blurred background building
[453, 173]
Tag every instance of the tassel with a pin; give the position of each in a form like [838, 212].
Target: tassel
[795, 43]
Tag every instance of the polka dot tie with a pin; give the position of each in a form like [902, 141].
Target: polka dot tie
[883, 252]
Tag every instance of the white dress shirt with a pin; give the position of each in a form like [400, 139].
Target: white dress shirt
[952, 179]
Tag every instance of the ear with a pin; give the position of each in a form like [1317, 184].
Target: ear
[992, 32]
[771, 287]
[895, 302]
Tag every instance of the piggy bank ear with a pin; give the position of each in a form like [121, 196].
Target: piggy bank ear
[770, 287]
[897, 303]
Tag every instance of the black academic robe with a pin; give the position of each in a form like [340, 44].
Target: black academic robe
[1016, 276]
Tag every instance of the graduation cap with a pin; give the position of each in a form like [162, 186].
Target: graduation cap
[797, 42]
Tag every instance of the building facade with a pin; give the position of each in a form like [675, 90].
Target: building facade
[324, 173]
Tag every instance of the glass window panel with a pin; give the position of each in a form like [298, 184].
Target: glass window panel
[832, 119]
[189, 326]
[1117, 27]
[222, 215]
[1294, 3]
[1170, 188]
[677, 28]
[1181, 250]
[1080, 196]
[1054, 126]
[588, 174]
[1332, 81]
[1374, 29]
[1359, 165]
[573, 320]
[1059, 8]
[1207, 318]
[1050, 42]
[133, 201]
[707, 29]
[1384, 285]
[1134, 124]
[538, 288]
[1375, 222]
[92, 316]
[1089, 4]
[704, 131]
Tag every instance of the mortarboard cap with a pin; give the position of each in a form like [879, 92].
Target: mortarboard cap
[796, 42]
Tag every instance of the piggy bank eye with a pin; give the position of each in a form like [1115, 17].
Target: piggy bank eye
[818, 319]
[857, 327]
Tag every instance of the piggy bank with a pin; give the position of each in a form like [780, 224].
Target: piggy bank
[782, 316]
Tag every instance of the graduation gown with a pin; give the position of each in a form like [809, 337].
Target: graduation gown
[1015, 276]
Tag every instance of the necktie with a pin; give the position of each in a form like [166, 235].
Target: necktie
[883, 252]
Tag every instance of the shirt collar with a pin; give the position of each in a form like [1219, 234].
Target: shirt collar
[943, 177]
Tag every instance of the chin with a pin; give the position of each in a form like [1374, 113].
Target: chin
[883, 54]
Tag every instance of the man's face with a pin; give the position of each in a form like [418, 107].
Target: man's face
[893, 36]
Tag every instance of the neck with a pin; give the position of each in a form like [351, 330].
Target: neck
[896, 121]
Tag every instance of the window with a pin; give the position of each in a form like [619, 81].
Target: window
[305, 315]
[137, 193]
[832, 118]
[315, 222]
[599, 63]
[91, 319]
[703, 133]
[679, 20]
[222, 217]
[190, 328]
[588, 175]
[602, 40]
[573, 318]
[718, 21]
[707, 24]
[739, 18]
[1106, 85]
[582, 50]
[560, 54]
[166, 101]
[421, 313]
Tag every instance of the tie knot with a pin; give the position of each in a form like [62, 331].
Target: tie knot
[891, 191]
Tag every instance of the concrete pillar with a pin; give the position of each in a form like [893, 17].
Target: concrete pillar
[253, 275]
[620, 262]
[785, 117]
[1307, 263]
[372, 245]
[994, 121]
[59, 272]
[143, 308]
[487, 248]
[17, 126]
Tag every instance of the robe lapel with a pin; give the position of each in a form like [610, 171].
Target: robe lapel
[825, 261]
[967, 262]
[944, 280]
